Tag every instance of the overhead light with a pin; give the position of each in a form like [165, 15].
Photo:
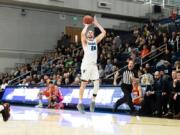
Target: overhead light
[23, 12]
[103, 4]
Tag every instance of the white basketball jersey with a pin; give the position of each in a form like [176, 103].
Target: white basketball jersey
[90, 53]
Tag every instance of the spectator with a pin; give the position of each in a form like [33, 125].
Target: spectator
[171, 95]
[172, 42]
[42, 82]
[145, 51]
[158, 90]
[137, 95]
[76, 81]
[147, 78]
[109, 67]
[101, 71]
[4, 84]
[24, 83]
[176, 97]
[118, 42]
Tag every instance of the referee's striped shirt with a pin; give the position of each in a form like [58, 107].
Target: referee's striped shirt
[128, 75]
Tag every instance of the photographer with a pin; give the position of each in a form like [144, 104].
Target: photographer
[176, 97]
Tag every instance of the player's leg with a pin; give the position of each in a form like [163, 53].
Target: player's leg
[95, 78]
[85, 73]
[52, 101]
[5, 110]
[40, 104]
[81, 93]
[95, 91]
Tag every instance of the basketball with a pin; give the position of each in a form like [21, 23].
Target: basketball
[87, 19]
[46, 93]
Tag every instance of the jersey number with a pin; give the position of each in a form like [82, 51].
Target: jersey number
[93, 48]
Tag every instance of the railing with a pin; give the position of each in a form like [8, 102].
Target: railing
[161, 48]
[17, 51]
[61, 57]
[13, 81]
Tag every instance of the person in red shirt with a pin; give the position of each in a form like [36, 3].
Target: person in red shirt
[53, 95]
[145, 51]
[136, 92]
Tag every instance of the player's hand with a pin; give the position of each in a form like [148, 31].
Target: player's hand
[152, 92]
[116, 75]
[133, 100]
[95, 22]
[147, 93]
[175, 96]
[164, 93]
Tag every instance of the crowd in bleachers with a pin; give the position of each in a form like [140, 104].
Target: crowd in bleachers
[159, 76]
[62, 65]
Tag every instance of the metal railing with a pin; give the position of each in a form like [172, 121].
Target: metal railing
[21, 77]
[14, 81]
[162, 49]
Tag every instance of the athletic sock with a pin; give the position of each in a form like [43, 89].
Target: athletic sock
[80, 101]
[93, 99]
[1, 107]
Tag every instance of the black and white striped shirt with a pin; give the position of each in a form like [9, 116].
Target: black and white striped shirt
[128, 75]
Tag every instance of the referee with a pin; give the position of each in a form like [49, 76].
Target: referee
[126, 86]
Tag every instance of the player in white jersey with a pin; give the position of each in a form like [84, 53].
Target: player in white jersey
[89, 69]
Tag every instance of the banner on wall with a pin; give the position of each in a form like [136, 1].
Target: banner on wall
[106, 97]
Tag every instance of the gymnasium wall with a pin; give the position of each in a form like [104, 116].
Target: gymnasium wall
[29, 34]
[116, 6]
[35, 31]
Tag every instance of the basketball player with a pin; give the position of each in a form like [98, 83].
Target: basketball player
[89, 69]
[52, 93]
[5, 111]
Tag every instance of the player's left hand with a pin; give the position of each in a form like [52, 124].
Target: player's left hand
[95, 22]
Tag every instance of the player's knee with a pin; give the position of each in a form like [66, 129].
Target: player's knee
[40, 94]
[83, 84]
[96, 84]
[96, 87]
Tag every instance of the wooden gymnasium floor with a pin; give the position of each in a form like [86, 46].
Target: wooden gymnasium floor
[36, 121]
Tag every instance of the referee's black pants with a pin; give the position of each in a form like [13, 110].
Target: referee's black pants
[127, 89]
[176, 105]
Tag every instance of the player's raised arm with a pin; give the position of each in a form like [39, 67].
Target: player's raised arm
[103, 32]
[83, 34]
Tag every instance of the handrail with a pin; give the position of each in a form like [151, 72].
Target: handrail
[152, 52]
[115, 72]
[10, 82]
[107, 76]
[19, 77]
[152, 57]
[58, 58]
[20, 51]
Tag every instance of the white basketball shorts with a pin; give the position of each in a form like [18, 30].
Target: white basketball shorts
[89, 72]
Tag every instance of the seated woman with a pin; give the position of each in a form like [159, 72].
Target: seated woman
[136, 92]
[53, 95]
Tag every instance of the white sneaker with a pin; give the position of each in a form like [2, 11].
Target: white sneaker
[92, 106]
[39, 106]
[80, 108]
